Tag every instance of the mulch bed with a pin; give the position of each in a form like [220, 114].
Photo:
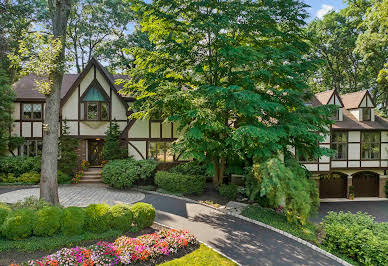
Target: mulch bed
[14, 256]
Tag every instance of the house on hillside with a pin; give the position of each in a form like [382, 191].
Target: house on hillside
[359, 138]
[90, 102]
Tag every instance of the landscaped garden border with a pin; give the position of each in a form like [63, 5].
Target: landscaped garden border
[286, 234]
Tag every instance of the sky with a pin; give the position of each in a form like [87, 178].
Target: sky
[320, 7]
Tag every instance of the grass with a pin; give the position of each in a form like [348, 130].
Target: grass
[54, 242]
[307, 232]
[202, 256]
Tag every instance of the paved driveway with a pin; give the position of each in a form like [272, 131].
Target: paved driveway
[378, 209]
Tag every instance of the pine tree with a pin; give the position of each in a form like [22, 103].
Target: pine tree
[112, 148]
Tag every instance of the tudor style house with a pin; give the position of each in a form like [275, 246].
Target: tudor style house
[359, 138]
[90, 101]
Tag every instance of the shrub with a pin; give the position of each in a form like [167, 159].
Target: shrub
[64, 178]
[32, 203]
[122, 217]
[357, 236]
[10, 179]
[190, 168]
[112, 148]
[18, 224]
[179, 183]
[124, 173]
[18, 165]
[228, 191]
[73, 221]
[47, 221]
[4, 211]
[29, 177]
[143, 214]
[67, 146]
[98, 217]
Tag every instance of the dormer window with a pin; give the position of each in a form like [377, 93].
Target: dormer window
[94, 104]
[366, 114]
[336, 116]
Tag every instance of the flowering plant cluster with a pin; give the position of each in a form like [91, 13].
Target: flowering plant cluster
[78, 177]
[85, 165]
[123, 251]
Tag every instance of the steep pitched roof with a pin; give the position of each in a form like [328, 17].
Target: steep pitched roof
[351, 122]
[26, 89]
[354, 99]
[324, 97]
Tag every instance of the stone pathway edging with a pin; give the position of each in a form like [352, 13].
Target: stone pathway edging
[304, 242]
[219, 252]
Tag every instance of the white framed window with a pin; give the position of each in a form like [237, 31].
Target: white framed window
[31, 148]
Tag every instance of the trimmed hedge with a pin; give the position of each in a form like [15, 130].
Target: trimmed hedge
[18, 224]
[29, 177]
[143, 215]
[73, 221]
[98, 217]
[124, 173]
[189, 168]
[180, 183]
[357, 236]
[122, 217]
[47, 221]
[228, 191]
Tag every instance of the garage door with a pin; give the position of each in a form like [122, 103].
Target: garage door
[366, 185]
[333, 187]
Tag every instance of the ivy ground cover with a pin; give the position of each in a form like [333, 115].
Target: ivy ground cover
[123, 251]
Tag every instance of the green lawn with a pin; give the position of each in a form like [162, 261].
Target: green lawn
[307, 232]
[202, 256]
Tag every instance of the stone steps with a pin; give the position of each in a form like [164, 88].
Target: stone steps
[92, 176]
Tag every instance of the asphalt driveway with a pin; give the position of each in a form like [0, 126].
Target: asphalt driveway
[378, 209]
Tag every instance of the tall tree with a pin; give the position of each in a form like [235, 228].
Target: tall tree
[93, 24]
[372, 45]
[231, 74]
[7, 97]
[59, 11]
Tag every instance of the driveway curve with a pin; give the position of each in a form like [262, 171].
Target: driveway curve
[244, 242]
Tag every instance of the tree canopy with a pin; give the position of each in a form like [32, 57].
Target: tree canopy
[231, 74]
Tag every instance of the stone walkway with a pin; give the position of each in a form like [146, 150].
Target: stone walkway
[78, 195]
[245, 242]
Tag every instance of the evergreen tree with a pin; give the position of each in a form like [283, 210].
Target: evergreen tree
[68, 145]
[112, 148]
[7, 96]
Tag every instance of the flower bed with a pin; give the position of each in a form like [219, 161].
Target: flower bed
[125, 250]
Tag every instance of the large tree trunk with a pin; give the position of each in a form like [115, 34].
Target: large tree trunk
[59, 11]
[219, 167]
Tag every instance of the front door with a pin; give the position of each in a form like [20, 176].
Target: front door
[95, 152]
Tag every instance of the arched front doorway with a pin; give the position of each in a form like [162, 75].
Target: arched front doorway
[366, 184]
[333, 186]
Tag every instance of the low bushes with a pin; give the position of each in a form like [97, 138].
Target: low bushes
[98, 217]
[44, 220]
[143, 215]
[189, 168]
[47, 221]
[124, 173]
[180, 183]
[357, 236]
[32, 177]
[29, 177]
[122, 217]
[18, 224]
[19, 165]
[73, 221]
[228, 191]
[123, 251]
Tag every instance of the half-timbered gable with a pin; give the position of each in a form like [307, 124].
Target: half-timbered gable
[359, 140]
